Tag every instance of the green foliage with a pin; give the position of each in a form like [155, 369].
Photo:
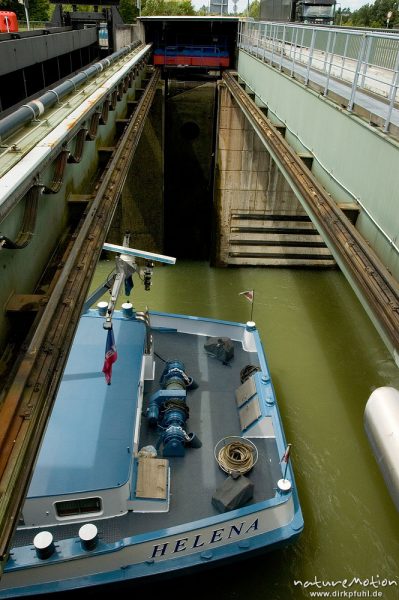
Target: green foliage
[39, 10]
[254, 10]
[370, 15]
[167, 7]
[374, 15]
[128, 10]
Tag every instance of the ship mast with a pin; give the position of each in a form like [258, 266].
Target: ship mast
[125, 267]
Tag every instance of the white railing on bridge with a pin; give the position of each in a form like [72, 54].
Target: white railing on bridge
[363, 61]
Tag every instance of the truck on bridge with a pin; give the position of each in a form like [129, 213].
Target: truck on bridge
[320, 12]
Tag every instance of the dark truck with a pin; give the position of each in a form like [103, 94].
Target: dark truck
[298, 11]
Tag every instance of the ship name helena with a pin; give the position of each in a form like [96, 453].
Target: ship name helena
[217, 535]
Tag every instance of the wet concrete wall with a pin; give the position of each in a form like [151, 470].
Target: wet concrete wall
[142, 207]
[258, 220]
[189, 142]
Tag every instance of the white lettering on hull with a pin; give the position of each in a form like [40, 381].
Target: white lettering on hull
[199, 541]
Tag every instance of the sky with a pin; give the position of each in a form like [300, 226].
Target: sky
[242, 4]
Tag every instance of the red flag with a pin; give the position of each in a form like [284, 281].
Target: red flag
[110, 356]
[249, 295]
[286, 455]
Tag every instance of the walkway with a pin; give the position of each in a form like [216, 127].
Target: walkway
[360, 86]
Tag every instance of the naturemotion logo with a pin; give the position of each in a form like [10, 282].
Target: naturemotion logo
[356, 587]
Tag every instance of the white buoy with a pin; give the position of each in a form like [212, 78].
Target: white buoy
[381, 422]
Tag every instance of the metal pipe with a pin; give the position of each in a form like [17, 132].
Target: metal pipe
[327, 51]
[344, 56]
[282, 48]
[35, 108]
[273, 43]
[18, 179]
[392, 102]
[301, 48]
[264, 42]
[357, 73]
[366, 62]
[311, 49]
[394, 78]
[330, 65]
[293, 60]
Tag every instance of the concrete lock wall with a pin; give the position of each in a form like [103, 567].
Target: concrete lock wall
[249, 184]
[190, 110]
[354, 162]
[141, 209]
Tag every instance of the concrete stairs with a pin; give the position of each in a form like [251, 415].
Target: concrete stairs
[281, 240]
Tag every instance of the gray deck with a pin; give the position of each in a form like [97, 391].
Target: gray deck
[213, 416]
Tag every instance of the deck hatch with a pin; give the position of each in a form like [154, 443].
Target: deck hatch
[249, 413]
[245, 391]
[152, 478]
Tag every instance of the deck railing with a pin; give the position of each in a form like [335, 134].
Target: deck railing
[363, 61]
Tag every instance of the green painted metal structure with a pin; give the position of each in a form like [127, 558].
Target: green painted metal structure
[53, 209]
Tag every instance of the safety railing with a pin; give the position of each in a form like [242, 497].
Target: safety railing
[24, 26]
[363, 61]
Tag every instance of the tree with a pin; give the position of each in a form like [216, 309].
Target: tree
[39, 10]
[375, 15]
[167, 7]
[128, 10]
[253, 11]
[342, 16]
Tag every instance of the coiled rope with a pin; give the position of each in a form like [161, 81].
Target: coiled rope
[236, 457]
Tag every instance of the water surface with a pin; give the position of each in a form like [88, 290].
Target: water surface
[325, 359]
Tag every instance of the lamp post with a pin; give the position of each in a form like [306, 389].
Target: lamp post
[26, 6]
[340, 12]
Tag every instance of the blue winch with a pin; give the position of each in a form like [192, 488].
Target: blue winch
[167, 410]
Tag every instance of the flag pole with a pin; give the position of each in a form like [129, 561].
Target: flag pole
[252, 304]
[287, 452]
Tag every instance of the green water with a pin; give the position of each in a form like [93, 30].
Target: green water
[325, 359]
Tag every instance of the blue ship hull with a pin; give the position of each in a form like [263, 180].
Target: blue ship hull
[164, 522]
